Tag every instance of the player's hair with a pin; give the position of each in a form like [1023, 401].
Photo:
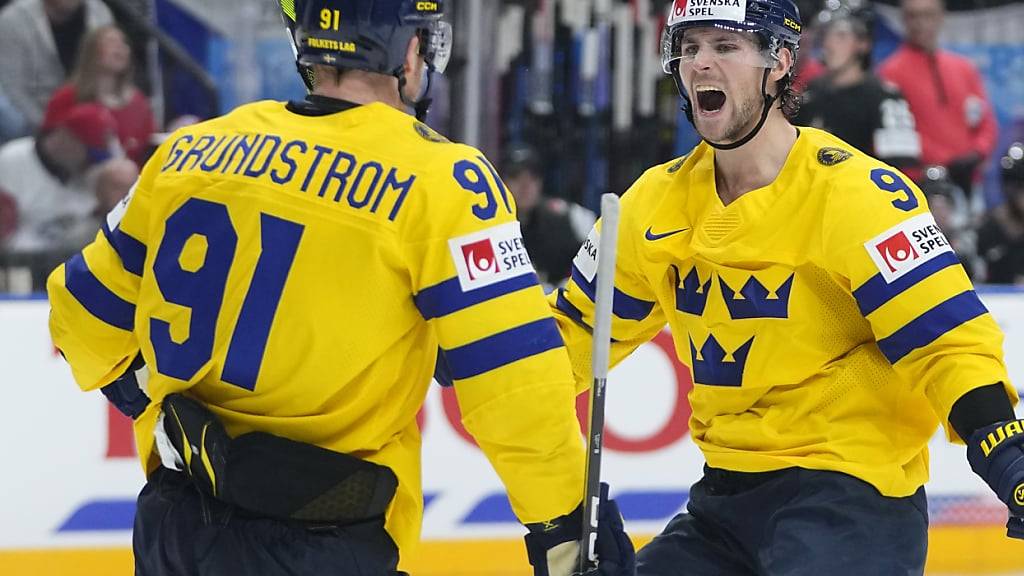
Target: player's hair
[323, 74]
[787, 98]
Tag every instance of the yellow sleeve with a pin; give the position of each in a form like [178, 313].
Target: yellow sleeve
[636, 315]
[93, 295]
[474, 283]
[928, 321]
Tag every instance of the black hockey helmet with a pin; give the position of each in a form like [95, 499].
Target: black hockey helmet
[370, 35]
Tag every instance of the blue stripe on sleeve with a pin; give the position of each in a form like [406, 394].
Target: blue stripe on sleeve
[131, 251]
[447, 297]
[570, 310]
[503, 348]
[95, 297]
[623, 305]
[876, 291]
[927, 327]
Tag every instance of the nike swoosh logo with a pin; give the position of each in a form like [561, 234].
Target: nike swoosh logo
[650, 235]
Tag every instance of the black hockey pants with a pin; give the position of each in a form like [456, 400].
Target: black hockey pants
[790, 522]
[180, 532]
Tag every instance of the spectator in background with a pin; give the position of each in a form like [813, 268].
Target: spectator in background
[12, 125]
[1001, 235]
[553, 229]
[947, 98]
[849, 101]
[44, 179]
[114, 179]
[948, 205]
[808, 67]
[39, 40]
[103, 74]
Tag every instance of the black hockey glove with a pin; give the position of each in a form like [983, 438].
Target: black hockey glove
[996, 453]
[271, 476]
[125, 393]
[553, 547]
[199, 441]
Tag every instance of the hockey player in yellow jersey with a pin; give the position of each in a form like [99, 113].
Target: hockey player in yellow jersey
[827, 323]
[280, 283]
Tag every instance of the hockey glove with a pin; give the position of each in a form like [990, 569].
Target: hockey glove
[126, 393]
[996, 453]
[268, 475]
[554, 546]
[198, 442]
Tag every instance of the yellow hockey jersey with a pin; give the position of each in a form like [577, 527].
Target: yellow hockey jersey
[825, 318]
[298, 273]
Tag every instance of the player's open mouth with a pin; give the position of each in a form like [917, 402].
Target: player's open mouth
[709, 98]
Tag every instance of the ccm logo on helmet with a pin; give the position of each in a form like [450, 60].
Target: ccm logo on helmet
[426, 6]
[792, 24]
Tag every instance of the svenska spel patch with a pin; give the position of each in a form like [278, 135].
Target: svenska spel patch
[694, 10]
[902, 248]
[586, 259]
[490, 256]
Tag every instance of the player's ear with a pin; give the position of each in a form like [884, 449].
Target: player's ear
[782, 66]
[413, 60]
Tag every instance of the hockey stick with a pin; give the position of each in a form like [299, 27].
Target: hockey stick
[599, 366]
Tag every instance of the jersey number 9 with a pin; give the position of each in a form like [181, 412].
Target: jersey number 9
[472, 179]
[200, 288]
[890, 181]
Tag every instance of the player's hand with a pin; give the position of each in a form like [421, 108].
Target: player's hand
[126, 393]
[996, 453]
[554, 546]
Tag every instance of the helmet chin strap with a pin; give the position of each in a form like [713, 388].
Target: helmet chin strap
[768, 101]
[420, 106]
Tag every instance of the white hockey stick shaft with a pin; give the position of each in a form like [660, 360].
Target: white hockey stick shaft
[599, 365]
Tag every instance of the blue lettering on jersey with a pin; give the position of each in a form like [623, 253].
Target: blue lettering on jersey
[359, 202]
[391, 182]
[711, 367]
[691, 296]
[362, 185]
[212, 161]
[275, 175]
[334, 174]
[471, 178]
[176, 151]
[246, 147]
[202, 291]
[755, 302]
[256, 171]
[891, 182]
[319, 152]
[195, 153]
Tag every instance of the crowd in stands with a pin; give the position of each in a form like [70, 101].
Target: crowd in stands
[75, 129]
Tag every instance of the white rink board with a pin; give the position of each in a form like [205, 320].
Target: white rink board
[62, 488]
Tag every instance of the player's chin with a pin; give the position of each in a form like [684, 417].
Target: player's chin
[713, 126]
